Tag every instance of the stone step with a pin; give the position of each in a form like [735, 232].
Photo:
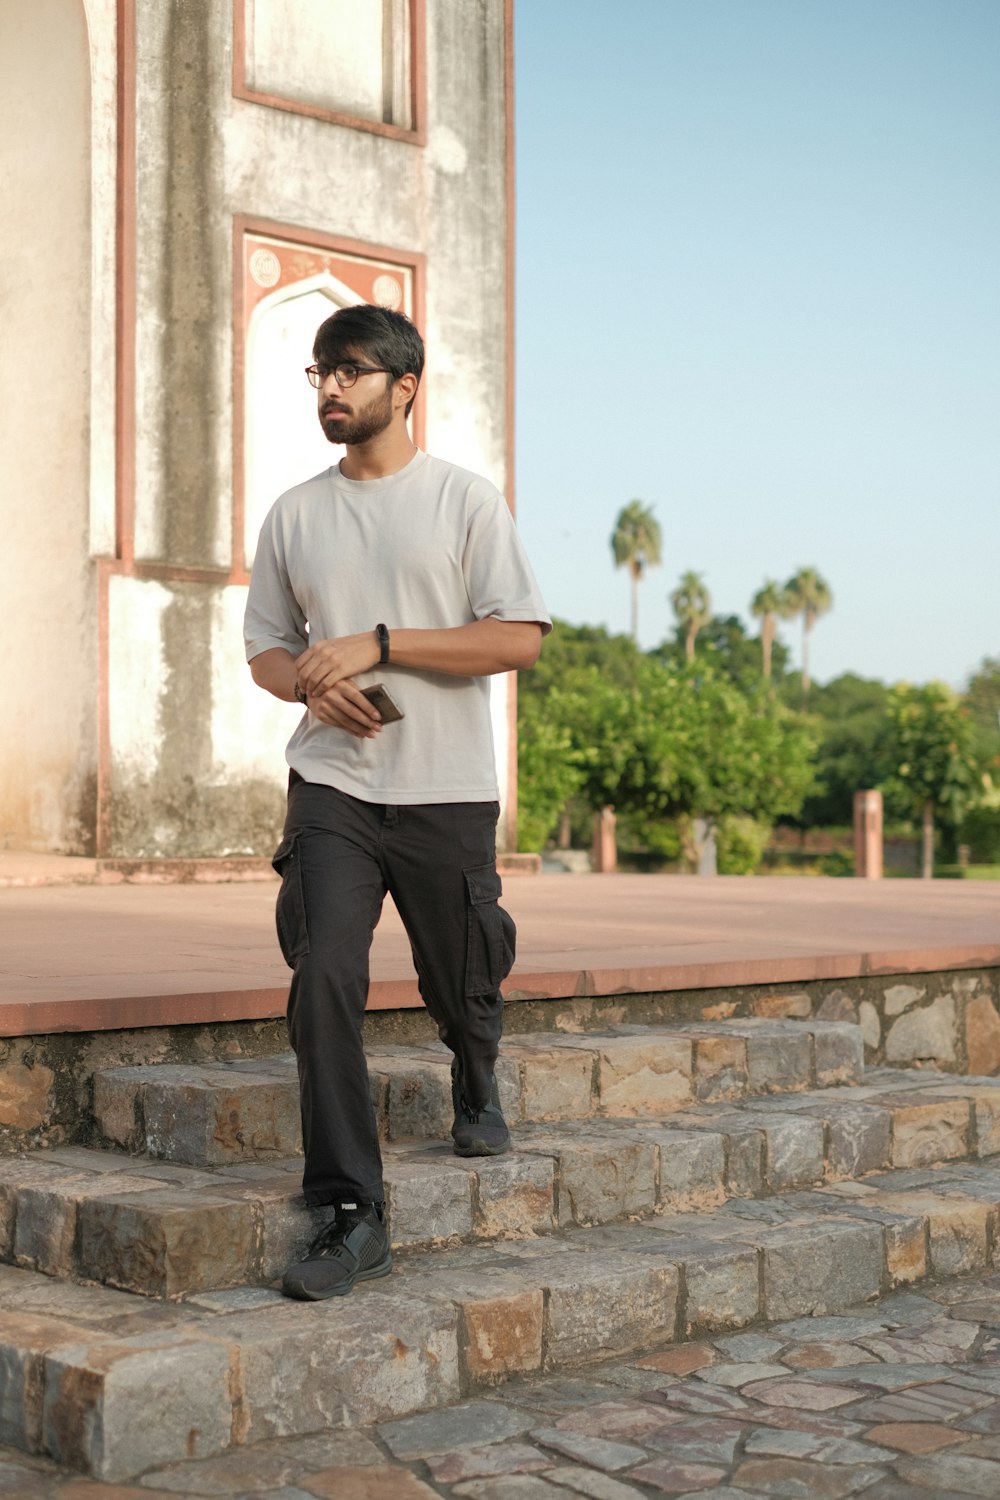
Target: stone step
[248, 1110]
[83, 1368]
[167, 1230]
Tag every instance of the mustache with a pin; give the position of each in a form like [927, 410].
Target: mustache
[333, 406]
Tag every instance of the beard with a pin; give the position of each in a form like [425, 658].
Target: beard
[365, 424]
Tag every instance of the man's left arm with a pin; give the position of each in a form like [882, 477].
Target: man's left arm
[478, 649]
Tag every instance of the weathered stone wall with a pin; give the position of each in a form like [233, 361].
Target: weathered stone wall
[48, 624]
[191, 763]
[948, 1020]
[182, 783]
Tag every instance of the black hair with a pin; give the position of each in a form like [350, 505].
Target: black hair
[384, 337]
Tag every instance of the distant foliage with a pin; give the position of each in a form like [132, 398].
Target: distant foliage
[656, 740]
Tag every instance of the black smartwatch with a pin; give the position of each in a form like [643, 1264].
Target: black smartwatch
[382, 636]
[300, 695]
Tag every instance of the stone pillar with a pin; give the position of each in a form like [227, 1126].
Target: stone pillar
[868, 835]
[605, 852]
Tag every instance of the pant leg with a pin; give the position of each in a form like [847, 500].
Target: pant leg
[329, 904]
[440, 865]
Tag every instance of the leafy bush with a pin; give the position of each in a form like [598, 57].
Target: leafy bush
[981, 831]
[740, 842]
[837, 862]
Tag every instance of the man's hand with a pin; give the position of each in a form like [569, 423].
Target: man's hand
[345, 707]
[325, 672]
[326, 663]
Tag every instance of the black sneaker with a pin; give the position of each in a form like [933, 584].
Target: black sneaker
[353, 1247]
[478, 1132]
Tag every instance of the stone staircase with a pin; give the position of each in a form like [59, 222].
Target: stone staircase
[664, 1182]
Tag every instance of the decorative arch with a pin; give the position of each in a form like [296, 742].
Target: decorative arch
[288, 280]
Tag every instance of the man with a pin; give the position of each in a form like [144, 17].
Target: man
[399, 569]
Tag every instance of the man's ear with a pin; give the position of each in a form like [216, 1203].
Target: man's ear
[404, 389]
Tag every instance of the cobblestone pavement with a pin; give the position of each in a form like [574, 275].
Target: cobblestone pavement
[898, 1399]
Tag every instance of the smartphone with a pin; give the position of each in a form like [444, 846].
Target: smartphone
[379, 698]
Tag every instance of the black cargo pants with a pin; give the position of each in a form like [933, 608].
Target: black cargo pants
[337, 859]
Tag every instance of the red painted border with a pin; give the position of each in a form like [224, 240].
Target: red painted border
[314, 239]
[417, 136]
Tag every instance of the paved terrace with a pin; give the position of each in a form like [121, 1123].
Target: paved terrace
[92, 956]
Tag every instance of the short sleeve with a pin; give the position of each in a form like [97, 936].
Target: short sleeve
[273, 615]
[498, 575]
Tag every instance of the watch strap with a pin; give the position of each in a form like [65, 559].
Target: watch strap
[382, 636]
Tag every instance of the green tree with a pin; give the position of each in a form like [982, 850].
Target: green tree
[547, 773]
[930, 768]
[809, 596]
[727, 649]
[692, 604]
[770, 604]
[849, 714]
[636, 544]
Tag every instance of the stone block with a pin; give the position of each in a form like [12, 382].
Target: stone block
[166, 1242]
[871, 1025]
[986, 1107]
[382, 1353]
[557, 1082]
[116, 1408]
[16, 1173]
[720, 1067]
[793, 1151]
[794, 1476]
[371, 1482]
[922, 1133]
[859, 1139]
[692, 1168]
[514, 1194]
[284, 1225]
[744, 1161]
[601, 1177]
[428, 1201]
[928, 1034]
[643, 1076]
[958, 1229]
[899, 997]
[904, 1237]
[783, 1007]
[26, 1095]
[818, 1268]
[45, 1237]
[839, 1051]
[118, 1106]
[470, 1423]
[207, 1116]
[419, 1102]
[779, 1062]
[504, 1332]
[25, 1340]
[722, 1283]
[601, 1304]
[982, 1036]
[951, 1473]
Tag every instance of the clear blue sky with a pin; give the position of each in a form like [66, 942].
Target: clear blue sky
[758, 288]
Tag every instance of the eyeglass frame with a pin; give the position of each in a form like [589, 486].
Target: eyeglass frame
[316, 377]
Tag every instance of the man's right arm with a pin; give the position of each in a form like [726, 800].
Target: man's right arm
[274, 671]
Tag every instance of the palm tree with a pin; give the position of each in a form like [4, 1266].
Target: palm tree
[692, 604]
[770, 604]
[809, 595]
[635, 543]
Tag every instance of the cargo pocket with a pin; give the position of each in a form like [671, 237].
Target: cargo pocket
[489, 955]
[290, 911]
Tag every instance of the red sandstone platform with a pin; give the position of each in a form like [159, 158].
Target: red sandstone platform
[85, 957]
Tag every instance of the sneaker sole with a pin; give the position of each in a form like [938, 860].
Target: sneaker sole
[480, 1148]
[302, 1294]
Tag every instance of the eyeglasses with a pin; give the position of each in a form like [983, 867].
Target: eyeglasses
[345, 374]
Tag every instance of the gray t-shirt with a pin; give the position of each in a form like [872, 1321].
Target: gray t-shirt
[428, 547]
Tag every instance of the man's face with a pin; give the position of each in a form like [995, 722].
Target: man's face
[362, 411]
